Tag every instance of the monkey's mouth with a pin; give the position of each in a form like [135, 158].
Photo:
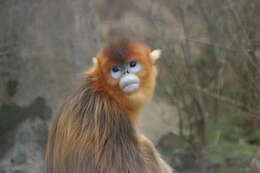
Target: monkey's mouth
[129, 83]
[130, 87]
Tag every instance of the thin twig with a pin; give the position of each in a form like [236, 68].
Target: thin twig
[227, 100]
[215, 45]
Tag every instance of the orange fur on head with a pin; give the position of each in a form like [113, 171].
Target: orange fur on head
[118, 52]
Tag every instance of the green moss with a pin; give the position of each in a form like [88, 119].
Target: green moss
[12, 87]
[11, 115]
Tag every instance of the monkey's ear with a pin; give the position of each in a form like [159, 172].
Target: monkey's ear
[155, 54]
[94, 60]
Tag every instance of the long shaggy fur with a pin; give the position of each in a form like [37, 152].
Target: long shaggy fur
[97, 138]
[94, 130]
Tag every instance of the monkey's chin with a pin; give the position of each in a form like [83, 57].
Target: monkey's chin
[130, 88]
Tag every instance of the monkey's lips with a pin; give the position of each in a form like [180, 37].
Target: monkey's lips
[129, 83]
[131, 87]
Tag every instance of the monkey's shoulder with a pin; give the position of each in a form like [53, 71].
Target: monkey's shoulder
[147, 147]
[152, 156]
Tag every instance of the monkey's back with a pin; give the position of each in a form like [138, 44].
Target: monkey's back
[89, 135]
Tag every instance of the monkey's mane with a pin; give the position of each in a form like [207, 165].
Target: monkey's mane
[92, 133]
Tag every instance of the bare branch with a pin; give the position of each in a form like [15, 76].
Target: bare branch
[227, 100]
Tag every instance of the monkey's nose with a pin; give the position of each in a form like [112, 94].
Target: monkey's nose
[126, 72]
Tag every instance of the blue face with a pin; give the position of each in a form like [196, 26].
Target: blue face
[120, 70]
[129, 82]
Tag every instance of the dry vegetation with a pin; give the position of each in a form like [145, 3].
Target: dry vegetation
[212, 77]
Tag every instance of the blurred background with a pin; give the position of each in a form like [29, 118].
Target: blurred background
[205, 115]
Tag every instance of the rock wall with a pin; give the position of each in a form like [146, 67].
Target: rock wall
[44, 47]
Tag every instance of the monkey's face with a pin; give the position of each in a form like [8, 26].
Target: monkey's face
[126, 74]
[135, 74]
[128, 69]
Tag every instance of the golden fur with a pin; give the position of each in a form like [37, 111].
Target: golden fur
[94, 130]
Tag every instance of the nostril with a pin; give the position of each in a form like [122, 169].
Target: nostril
[126, 72]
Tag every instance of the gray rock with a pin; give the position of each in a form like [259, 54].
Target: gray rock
[44, 46]
[19, 158]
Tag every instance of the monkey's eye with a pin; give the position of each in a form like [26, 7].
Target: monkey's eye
[134, 66]
[115, 69]
[115, 72]
[132, 63]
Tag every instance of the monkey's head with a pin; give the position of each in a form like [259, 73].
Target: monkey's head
[127, 69]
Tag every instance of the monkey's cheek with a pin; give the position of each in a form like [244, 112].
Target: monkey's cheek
[130, 88]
